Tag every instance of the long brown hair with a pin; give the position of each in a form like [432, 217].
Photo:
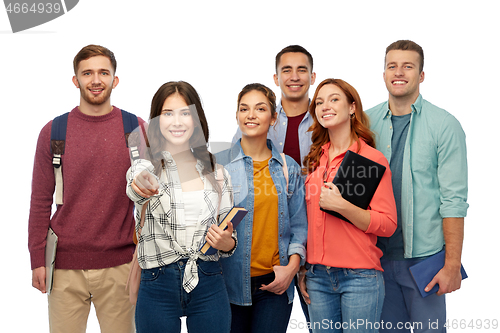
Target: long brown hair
[360, 127]
[199, 138]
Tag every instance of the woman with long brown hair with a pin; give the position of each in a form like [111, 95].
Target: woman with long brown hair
[185, 194]
[259, 276]
[342, 280]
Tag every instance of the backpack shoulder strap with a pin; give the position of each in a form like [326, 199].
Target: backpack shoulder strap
[58, 134]
[285, 169]
[132, 134]
[130, 122]
[57, 145]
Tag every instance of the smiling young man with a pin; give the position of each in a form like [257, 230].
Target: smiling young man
[294, 75]
[95, 78]
[426, 149]
[94, 221]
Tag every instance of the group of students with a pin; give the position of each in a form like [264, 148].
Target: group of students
[280, 168]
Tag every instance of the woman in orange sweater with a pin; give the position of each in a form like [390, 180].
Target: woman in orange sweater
[342, 281]
[272, 236]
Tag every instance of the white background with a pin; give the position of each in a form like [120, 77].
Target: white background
[219, 47]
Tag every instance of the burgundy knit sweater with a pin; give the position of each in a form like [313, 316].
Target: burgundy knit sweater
[95, 223]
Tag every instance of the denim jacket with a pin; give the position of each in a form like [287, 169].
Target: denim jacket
[292, 217]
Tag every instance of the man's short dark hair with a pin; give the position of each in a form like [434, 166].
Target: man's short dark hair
[407, 45]
[90, 51]
[294, 49]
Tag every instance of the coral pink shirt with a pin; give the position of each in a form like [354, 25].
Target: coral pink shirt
[337, 243]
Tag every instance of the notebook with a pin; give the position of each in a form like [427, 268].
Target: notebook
[50, 259]
[235, 215]
[424, 272]
[357, 180]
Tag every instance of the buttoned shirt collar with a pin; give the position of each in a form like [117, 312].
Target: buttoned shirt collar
[415, 107]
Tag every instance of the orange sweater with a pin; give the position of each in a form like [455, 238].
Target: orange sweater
[265, 251]
[337, 243]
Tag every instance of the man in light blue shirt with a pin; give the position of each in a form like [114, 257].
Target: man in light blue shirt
[425, 146]
[294, 75]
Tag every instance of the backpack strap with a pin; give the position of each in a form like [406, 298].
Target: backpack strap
[285, 169]
[132, 134]
[57, 145]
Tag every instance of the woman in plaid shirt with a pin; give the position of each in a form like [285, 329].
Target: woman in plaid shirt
[186, 194]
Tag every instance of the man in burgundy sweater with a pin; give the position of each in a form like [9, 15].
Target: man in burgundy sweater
[95, 223]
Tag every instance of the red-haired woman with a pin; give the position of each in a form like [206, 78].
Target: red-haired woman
[342, 281]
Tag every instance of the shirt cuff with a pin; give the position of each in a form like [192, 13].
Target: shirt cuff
[230, 252]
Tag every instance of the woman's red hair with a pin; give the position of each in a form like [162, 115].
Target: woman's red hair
[360, 127]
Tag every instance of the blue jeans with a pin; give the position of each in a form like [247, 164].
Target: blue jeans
[303, 303]
[269, 312]
[404, 307]
[344, 300]
[162, 300]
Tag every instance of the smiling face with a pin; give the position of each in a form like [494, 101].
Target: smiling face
[95, 79]
[402, 74]
[254, 114]
[176, 123]
[333, 109]
[294, 76]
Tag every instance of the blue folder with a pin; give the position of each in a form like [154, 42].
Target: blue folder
[424, 272]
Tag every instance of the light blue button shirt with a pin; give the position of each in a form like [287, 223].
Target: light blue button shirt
[277, 133]
[434, 182]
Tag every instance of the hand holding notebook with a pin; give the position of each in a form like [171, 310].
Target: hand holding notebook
[50, 259]
[357, 180]
[235, 215]
[424, 272]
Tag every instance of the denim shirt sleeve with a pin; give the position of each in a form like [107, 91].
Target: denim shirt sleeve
[225, 205]
[296, 211]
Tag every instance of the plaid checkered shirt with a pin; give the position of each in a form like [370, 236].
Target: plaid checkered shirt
[164, 218]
